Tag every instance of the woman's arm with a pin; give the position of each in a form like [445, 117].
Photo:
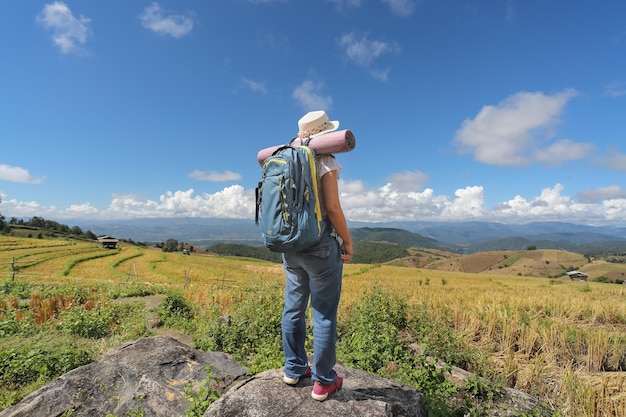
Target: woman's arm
[330, 191]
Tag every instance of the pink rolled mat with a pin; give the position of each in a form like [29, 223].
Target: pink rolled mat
[334, 142]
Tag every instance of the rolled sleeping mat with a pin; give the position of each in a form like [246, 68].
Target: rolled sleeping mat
[329, 143]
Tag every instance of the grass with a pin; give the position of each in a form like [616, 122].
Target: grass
[562, 341]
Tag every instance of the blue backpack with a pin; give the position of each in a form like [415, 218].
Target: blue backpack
[287, 204]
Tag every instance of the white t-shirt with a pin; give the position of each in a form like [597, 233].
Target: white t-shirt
[323, 165]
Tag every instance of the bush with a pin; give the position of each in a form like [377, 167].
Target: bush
[370, 340]
[252, 334]
[369, 336]
[25, 364]
[94, 324]
[175, 306]
[438, 339]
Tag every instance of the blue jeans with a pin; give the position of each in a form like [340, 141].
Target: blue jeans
[315, 273]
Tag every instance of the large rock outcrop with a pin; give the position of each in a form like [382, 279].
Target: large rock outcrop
[362, 395]
[148, 378]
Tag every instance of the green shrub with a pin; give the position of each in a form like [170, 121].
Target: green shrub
[94, 324]
[370, 340]
[438, 339]
[369, 335]
[175, 306]
[19, 289]
[11, 326]
[252, 334]
[24, 364]
[201, 399]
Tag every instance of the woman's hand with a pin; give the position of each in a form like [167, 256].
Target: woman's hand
[346, 253]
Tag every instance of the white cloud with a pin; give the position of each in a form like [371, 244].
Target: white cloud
[615, 89]
[595, 195]
[231, 202]
[17, 174]
[68, 32]
[616, 161]
[214, 176]
[175, 25]
[401, 7]
[561, 151]
[390, 202]
[308, 96]
[382, 75]
[363, 51]
[14, 208]
[409, 180]
[550, 205]
[510, 133]
[255, 86]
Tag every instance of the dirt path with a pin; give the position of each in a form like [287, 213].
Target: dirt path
[153, 303]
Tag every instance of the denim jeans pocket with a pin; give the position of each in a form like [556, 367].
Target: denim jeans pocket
[321, 252]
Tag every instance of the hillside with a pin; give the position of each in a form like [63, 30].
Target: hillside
[400, 237]
[400, 247]
[465, 237]
[547, 263]
[544, 263]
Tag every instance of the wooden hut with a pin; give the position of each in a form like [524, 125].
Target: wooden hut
[577, 276]
[108, 242]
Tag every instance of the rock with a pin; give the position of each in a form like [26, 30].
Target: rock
[146, 377]
[512, 402]
[362, 395]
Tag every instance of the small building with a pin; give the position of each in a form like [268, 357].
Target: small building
[577, 276]
[108, 242]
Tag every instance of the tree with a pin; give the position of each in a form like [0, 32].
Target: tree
[4, 227]
[170, 245]
[90, 235]
[36, 221]
[75, 230]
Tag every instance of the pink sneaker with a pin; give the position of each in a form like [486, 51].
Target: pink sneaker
[321, 392]
[293, 381]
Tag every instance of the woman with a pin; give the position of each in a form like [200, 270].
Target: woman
[316, 273]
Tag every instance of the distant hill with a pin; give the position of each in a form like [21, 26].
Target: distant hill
[541, 263]
[390, 235]
[460, 237]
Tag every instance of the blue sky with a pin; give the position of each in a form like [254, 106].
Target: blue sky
[497, 110]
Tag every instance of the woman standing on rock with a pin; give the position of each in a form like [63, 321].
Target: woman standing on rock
[316, 273]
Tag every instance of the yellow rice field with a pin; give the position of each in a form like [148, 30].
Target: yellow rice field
[562, 341]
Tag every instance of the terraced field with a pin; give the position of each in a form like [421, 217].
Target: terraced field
[562, 341]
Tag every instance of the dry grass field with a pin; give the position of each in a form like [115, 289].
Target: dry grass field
[562, 341]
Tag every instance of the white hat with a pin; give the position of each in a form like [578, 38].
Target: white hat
[315, 123]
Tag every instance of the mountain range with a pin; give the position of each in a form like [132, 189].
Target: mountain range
[459, 237]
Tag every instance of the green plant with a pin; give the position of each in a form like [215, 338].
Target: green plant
[94, 324]
[252, 334]
[437, 338]
[206, 395]
[25, 364]
[175, 306]
[482, 388]
[369, 336]
[430, 380]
